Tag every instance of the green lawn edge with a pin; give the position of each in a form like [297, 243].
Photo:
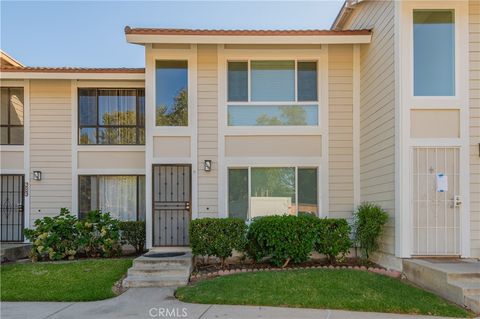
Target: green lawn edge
[79, 280]
[341, 289]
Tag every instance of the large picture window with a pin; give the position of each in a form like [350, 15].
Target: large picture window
[434, 52]
[122, 196]
[272, 191]
[111, 116]
[272, 93]
[11, 119]
[171, 79]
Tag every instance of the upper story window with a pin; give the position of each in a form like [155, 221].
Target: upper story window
[272, 93]
[111, 116]
[171, 78]
[11, 119]
[434, 52]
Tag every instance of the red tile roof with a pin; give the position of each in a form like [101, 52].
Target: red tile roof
[70, 70]
[160, 31]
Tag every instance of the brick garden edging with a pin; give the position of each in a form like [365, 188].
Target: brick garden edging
[226, 272]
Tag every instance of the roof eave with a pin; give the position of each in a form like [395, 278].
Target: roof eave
[16, 75]
[248, 39]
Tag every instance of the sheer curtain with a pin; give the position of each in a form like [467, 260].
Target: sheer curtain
[118, 196]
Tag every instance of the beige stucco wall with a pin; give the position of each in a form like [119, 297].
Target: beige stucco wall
[435, 123]
[111, 160]
[207, 138]
[11, 159]
[267, 146]
[340, 147]
[377, 112]
[171, 146]
[474, 30]
[50, 146]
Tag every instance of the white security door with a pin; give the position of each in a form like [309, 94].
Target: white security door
[436, 204]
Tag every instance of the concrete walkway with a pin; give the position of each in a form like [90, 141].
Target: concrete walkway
[160, 303]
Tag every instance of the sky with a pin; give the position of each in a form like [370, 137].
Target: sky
[91, 33]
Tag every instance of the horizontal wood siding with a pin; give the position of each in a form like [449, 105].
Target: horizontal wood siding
[377, 110]
[474, 33]
[340, 147]
[207, 143]
[50, 147]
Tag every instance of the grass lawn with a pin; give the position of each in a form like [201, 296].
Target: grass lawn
[320, 288]
[80, 280]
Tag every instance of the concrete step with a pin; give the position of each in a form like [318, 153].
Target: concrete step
[184, 271]
[454, 280]
[473, 302]
[159, 271]
[139, 281]
[468, 287]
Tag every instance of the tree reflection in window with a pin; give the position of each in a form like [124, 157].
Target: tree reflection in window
[176, 116]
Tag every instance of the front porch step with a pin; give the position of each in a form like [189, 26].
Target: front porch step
[454, 280]
[473, 302]
[159, 271]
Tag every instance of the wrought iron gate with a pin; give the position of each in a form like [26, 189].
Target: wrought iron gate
[12, 207]
[171, 204]
[436, 214]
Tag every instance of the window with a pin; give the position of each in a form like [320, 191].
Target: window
[272, 93]
[171, 93]
[111, 116]
[273, 191]
[122, 196]
[434, 52]
[11, 120]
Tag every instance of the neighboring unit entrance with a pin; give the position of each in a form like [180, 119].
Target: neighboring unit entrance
[171, 204]
[435, 202]
[12, 204]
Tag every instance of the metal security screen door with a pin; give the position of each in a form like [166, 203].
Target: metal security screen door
[436, 211]
[12, 203]
[171, 204]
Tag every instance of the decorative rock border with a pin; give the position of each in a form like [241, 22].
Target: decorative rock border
[226, 272]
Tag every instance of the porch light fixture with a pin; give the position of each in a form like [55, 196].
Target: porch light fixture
[37, 175]
[207, 165]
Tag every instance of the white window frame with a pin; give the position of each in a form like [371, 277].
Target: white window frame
[189, 55]
[301, 55]
[461, 37]
[296, 167]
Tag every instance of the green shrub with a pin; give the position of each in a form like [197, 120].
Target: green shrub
[369, 221]
[133, 233]
[54, 238]
[282, 238]
[217, 237]
[333, 238]
[99, 234]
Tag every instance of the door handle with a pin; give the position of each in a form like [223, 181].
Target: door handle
[457, 200]
[20, 208]
[187, 205]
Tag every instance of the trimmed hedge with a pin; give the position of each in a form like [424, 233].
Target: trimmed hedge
[133, 233]
[333, 238]
[217, 237]
[282, 238]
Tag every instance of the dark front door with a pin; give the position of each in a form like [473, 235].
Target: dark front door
[171, 204]
[12, 203]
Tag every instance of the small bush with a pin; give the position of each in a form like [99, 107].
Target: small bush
[54, 238]
[369, 221]
[282, 238]
[333, 238]
[99, 234]
[133, 233]
[217, 237]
